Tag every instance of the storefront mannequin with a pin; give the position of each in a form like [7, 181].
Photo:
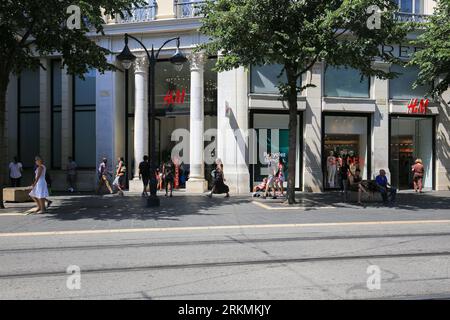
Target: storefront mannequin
[331, 169]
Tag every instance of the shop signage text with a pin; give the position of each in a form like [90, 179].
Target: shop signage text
[174, 97]
[415, 106]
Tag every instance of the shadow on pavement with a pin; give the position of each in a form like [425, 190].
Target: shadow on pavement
[113, 207]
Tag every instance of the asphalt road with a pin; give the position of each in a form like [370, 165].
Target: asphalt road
[298, 259]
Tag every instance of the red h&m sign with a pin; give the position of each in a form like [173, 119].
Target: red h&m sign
[415, 106]
[174, 97]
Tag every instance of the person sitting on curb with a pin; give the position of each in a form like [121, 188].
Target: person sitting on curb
[259, 188]
[357, 185]
[387, 192]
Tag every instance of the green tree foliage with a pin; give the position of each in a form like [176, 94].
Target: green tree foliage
[434, 58]
[296, 35]
[32, 28]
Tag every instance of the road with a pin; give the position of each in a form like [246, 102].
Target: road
[298, 259]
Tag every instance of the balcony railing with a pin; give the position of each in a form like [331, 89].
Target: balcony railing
[187, 9]
[411, 17]
[141, 14]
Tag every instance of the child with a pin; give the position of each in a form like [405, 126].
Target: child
[260, 187]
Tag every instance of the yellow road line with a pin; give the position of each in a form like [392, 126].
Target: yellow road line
[265, 206]
[229, 227]
[12, 214]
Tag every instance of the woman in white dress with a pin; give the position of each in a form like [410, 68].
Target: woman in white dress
[39, 190]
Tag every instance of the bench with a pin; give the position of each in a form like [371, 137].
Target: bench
[19, 194]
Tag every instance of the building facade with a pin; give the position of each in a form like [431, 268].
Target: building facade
[202, 115]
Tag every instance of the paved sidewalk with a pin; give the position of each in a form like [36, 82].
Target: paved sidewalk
[90, 212]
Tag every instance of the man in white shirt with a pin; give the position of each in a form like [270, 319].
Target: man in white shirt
[15, 172]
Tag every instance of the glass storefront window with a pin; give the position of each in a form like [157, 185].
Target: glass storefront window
[29, 130]
[56, 113]
[173, 87]
[345, 82]
[84, 120]
[401, 87]
[272, 136]
[411, 139]
[345, 137]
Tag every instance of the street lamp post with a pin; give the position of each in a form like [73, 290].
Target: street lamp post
[126, 57]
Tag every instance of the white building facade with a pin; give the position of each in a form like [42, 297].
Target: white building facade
[202, 115]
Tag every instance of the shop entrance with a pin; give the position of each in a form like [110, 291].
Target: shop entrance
[411, 138]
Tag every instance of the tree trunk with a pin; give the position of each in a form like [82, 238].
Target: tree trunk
[292, 158]
[4, 79]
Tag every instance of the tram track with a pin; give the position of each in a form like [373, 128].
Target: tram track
[230, 240]
[220, 264]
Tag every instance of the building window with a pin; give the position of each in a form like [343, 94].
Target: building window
[84, 151]
[265, 79]
[173, 87]
[345, 82]
[29, 117]
[271, 135]
[56, 113]
[401, 87]
[346, 139]
[410, 6]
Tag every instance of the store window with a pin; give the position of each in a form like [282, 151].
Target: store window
[271, 136]
[173, 87]
[56, 113]
[84, 149]
[401, 87]
[411, 138]
[29, 116]
[345, 138]
[345, 82]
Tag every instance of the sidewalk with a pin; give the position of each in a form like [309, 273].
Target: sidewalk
[69, 202]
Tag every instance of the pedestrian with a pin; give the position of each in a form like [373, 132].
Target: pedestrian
[119, 181]
[71, 171]
[387, 192]
[144, 174]
[160, 172]
[219, 185]
[168, 171]
[15, 172]
[103, 176]
[343, 173]
[280, 175]
[357, 185]
[418, 169]
[271, 179]
[39, 190]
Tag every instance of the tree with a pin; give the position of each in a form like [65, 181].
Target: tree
[433, 59]
[33, 28]
[296, 35]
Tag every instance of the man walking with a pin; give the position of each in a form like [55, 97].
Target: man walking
[71, 170]
[15, 172]
[102, 176]
[144, 174]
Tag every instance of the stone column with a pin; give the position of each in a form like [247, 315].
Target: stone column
[45, 110]
[232, 125]
[380, 137]
[140, 117]
[312, 174]
[197, 182]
